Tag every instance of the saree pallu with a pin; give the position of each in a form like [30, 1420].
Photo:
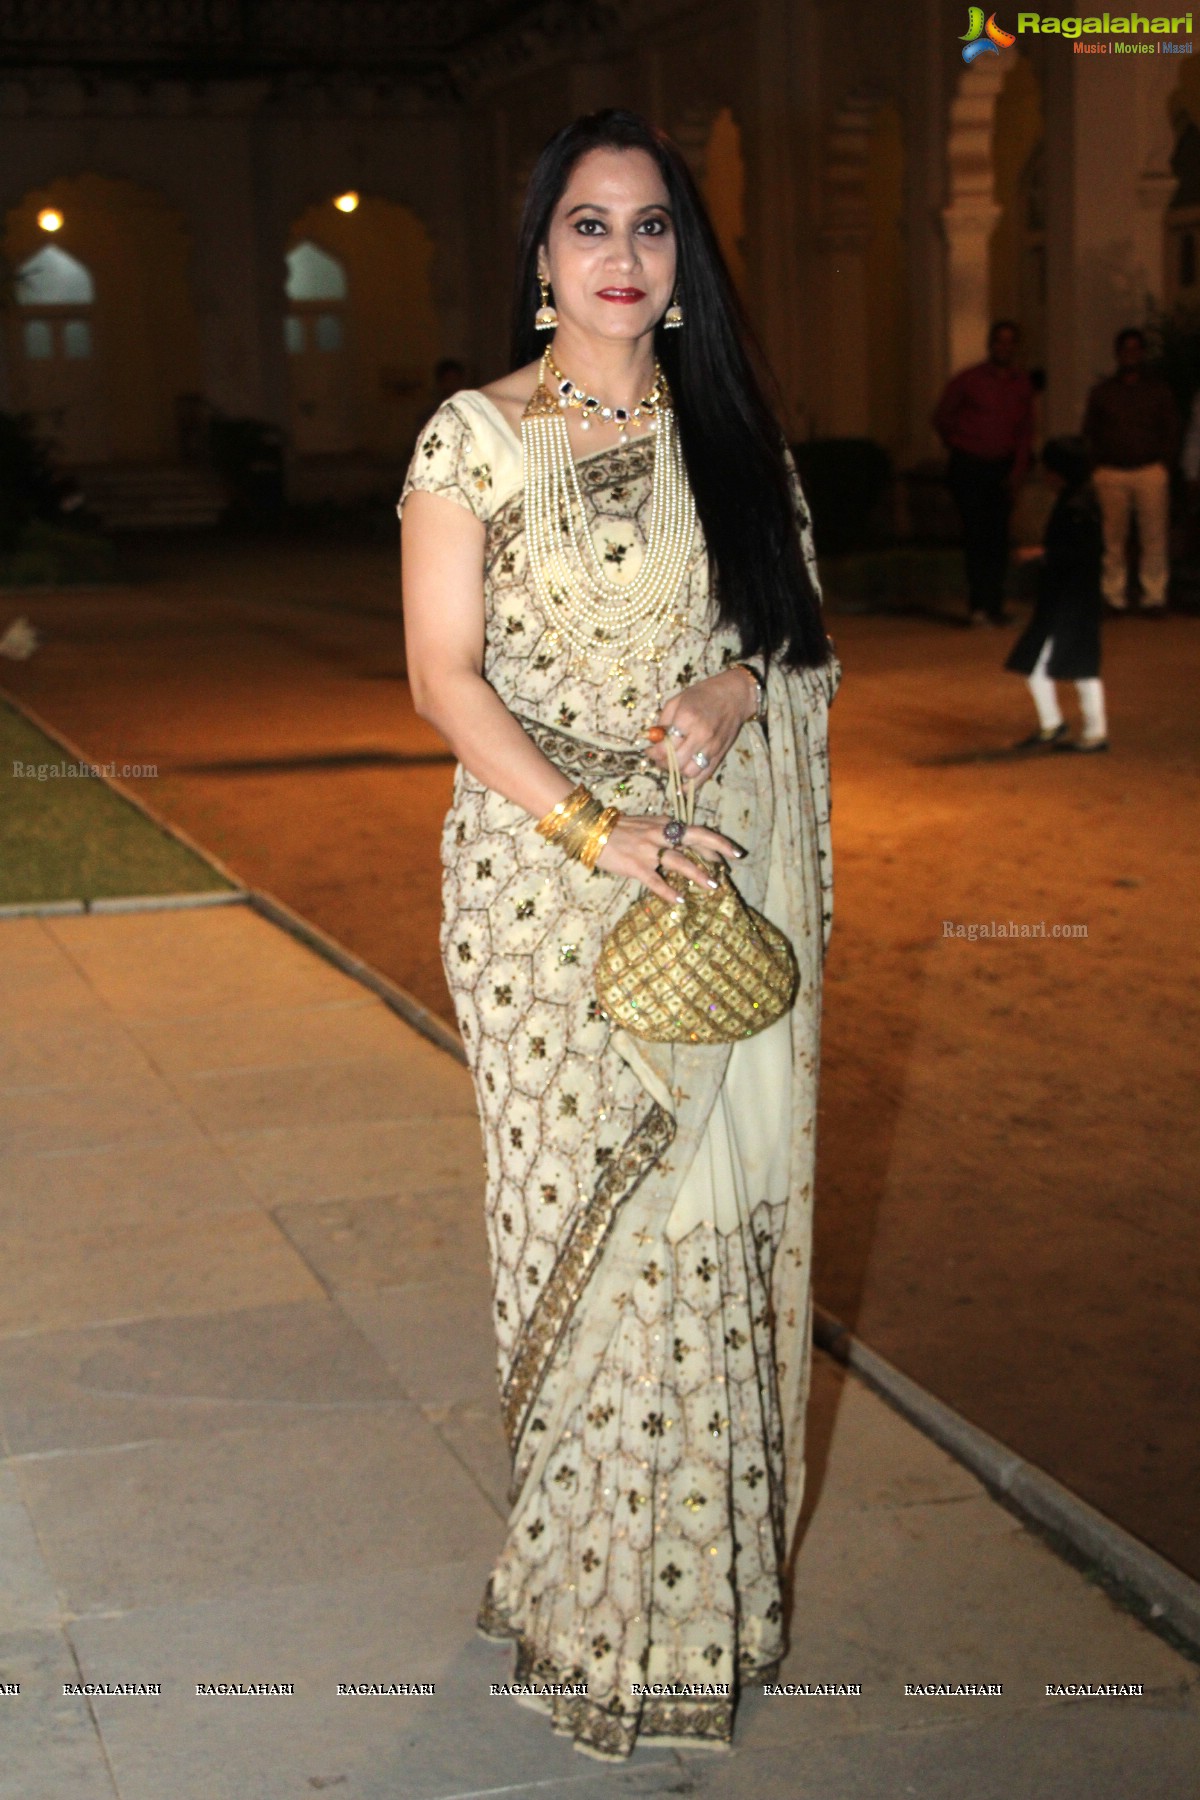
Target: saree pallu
[649, 1217]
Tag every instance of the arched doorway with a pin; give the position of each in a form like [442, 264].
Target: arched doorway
[103, 341]
[55, 355]
[361, 328]
[314, 334]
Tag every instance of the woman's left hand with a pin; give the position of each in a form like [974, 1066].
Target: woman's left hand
[705, 717]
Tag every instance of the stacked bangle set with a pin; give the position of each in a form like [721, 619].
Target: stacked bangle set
[579, 825]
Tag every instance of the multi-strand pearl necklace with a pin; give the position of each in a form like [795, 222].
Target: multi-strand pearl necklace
[591, 408]
[613, 621]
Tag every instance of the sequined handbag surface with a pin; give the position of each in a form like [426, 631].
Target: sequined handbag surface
[708, 972]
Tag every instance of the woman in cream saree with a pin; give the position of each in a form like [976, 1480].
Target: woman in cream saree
[648, 1205]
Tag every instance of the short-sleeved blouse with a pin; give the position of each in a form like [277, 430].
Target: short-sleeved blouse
[469, 453]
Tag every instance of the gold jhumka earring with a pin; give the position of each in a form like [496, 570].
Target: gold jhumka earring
[673, 317]
[545, 318]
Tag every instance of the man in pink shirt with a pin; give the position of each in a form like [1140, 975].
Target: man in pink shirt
[985, 420]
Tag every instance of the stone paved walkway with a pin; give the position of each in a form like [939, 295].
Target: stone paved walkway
[250, 1434]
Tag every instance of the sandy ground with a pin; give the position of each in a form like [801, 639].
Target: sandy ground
[1009, 1129]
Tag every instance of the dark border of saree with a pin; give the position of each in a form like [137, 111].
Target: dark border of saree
[615, 1728]
[647, 1142]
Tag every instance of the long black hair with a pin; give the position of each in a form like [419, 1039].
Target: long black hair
[730, 434]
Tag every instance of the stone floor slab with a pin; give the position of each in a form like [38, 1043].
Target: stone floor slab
[437, 1337]
[875, 1455]
[404, 1626]
[119, 1185]
[41, 981]
[52, 1750]
[392, 1240]
[357, 1491]
[349, 1162]
[185, 1377]
[56, 1052]
[471, 1429]
[28, 1596]
[397, 1086]
[201, 960]
[201, 1043]
[91, 1116]
[131, 1272]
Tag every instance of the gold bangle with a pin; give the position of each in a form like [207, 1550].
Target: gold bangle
[575, 840]
[579, 825]
[602, 831]
[563, 811]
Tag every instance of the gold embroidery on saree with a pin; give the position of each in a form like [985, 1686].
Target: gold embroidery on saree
[576, 757]
[621, 1175]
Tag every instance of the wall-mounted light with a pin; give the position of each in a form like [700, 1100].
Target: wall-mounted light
[347, 202]
[50, 219]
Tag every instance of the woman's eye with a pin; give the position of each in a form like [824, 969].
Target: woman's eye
[585, 226]
[655, 227]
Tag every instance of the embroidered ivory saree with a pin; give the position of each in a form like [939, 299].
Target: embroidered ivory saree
[648, 1206]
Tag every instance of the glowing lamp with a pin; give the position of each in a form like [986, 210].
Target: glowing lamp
[50, 219]
[347, 202]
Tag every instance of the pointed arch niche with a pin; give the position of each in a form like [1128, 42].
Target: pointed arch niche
[103, 338]
[360, 327]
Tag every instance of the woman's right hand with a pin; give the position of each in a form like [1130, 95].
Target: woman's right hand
[637, 848]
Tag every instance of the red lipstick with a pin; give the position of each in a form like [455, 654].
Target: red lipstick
[623, 296]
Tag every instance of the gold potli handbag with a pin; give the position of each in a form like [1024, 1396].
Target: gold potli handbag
[708, 972]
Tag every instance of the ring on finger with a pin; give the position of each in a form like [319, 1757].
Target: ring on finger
[674, 731]
[673, 832]
[700, 758]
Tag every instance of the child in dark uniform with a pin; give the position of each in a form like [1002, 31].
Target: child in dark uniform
[1062, 640]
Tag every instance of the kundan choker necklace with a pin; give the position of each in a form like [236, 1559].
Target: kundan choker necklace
[613, 621]
[591, 408]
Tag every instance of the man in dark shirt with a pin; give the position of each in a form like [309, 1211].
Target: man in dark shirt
[985, 420]
[1132, 428]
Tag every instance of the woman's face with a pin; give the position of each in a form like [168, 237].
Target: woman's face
[610, 251]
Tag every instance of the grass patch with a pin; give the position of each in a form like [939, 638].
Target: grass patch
[46, 555]
[72, 837]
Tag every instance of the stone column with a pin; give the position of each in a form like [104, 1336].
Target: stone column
[845, 410]
[1108, 147]
[924, 197]
[970, 215]
[777, 114]
[238, 272]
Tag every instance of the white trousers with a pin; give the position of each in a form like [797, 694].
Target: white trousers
[1045, 698]
[1144, 492]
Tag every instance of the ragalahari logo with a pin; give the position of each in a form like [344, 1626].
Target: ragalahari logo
[983, 37]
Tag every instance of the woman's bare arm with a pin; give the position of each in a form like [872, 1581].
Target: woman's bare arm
[443, 630]
[444, 633]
